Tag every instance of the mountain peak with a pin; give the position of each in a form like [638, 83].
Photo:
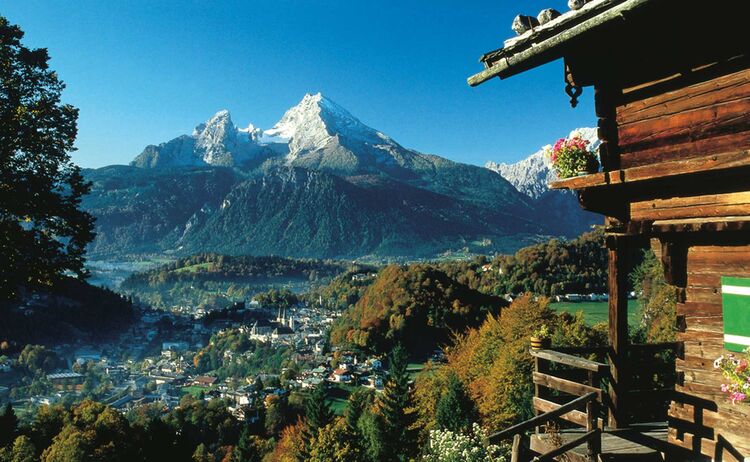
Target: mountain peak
[316, 119]
[222, 120]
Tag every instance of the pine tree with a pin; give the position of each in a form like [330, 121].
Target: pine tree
[396, 405]
[455, 411]
[358, 402]
[317, 412]
[317, 416]
[8, 425]
[246, 449]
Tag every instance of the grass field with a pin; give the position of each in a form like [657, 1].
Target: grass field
[595, 312]
[194, 390]
[338, 394]
[195, 268]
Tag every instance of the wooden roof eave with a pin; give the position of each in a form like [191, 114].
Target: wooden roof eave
[529, 54]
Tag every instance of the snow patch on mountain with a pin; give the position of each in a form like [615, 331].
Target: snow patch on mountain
[215, 142]
[532, 175]
[313, 122]
[316, 127]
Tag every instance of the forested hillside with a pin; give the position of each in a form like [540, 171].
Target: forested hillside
[418, 305]
[554, 267]
[221, 279]
[72, 309]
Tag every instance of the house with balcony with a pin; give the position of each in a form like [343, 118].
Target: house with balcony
[671, 87]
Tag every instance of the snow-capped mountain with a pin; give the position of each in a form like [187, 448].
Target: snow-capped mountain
[322, 135]
[316, 133]
[319, 183]
[216, 142]
[532, 174]
[314, 121]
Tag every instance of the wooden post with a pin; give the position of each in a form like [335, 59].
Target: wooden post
[594, 445]
[618, 329]
[605, 100]
[516, 452]
[542, 366]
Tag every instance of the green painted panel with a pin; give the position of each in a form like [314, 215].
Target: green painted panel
[735, 298]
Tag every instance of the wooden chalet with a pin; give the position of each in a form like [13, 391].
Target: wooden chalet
[671, 83]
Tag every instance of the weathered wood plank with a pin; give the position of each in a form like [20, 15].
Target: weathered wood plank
[719, 248]
[690, 361]
[570, 360]
[712, 205]
[701, 94]
[554, 411]
[564, 448]
[742, 197]
[705, 323]
[574, 416]
[685, 150]
[565, 386]
[707, 279]
[705, 350]
[699, 309]
[580, 182]
[718, 119]
[703, 295]
[695, 225]
[714, 162]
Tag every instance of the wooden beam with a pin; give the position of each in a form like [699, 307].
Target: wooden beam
[711, 224]
[682, 207]
[566, 386]
[541, 419]
[573, 416]
[618, 250]
[570, 360]
[572, 444]
[713, 163]
[517, 452]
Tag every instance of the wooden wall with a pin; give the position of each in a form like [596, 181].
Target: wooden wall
[703, 113]
[702, 418]
[696, 115]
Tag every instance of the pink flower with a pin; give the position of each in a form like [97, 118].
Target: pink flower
[741, 366]
[737, 397]
[559, 144]
[724, 388]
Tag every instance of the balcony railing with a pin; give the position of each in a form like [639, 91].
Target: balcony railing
[573, 385]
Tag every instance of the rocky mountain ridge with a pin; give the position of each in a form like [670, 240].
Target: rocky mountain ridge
[319, 183]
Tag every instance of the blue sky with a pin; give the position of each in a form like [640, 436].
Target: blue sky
[143, 72]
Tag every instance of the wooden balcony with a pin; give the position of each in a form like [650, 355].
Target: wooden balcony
[573, 402]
